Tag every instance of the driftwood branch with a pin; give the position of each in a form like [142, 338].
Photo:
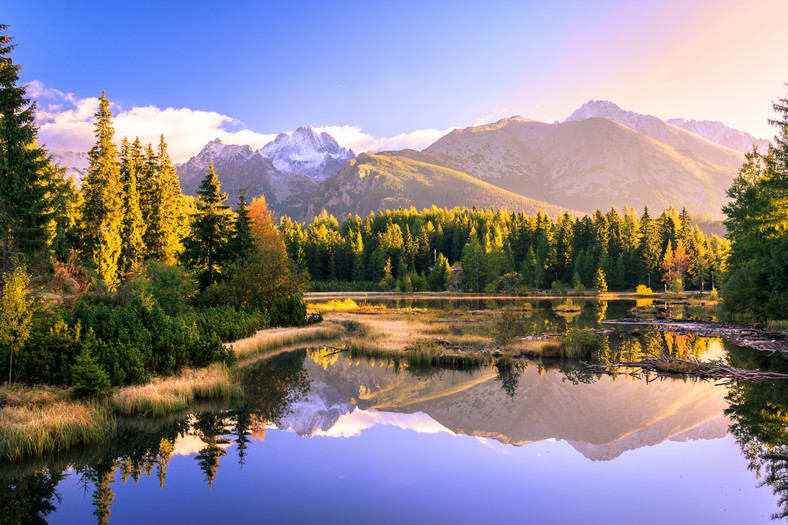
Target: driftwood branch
[664, 366]
[338, 350]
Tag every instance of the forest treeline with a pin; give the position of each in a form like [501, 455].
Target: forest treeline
[496, 251]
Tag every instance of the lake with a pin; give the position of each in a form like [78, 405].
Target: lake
[318, 436]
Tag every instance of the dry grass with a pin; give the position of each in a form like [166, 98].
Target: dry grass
[537, 348]
[266, 341]
[40, 420]
[165, 395]
[337, 305]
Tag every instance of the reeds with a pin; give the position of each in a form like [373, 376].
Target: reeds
[41, 420]
[166, 395]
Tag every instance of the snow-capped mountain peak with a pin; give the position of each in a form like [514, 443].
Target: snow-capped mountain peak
[307, 152]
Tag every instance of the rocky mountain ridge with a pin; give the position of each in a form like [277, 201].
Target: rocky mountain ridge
[601, 156]
[286, 171]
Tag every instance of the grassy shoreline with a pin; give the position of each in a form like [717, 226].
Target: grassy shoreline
[39, 419]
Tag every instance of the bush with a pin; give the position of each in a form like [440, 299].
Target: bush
[509, 325]
[642, 289]
[288, 311]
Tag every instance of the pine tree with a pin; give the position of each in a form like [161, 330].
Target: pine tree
[103, 205]
[241, 244]
[649, 250]
[26, 174]
[473, 259]
[132, 227]
[161, 202]
[171, 217]
[437, 280]
[205, 249]
[359, 270]
[757, 223]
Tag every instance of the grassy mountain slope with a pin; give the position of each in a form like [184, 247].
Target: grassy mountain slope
[404, 179]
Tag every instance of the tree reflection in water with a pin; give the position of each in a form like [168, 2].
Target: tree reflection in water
[145, 447]
[759, 422]
[29, 498]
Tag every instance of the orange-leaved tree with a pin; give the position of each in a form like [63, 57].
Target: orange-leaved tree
[267, 274]
[674, 265]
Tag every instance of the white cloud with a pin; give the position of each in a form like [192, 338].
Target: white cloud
[352, 137]
[66, 123]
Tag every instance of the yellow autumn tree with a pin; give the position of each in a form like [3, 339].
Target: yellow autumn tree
[267, 274]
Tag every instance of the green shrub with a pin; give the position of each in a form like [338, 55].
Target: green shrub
[508, 326]
[288, 311]
[89, 380]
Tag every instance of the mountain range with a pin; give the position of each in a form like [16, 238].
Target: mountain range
[598, 157]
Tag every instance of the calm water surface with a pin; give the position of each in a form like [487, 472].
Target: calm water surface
[321, 437]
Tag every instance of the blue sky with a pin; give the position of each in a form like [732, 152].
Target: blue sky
[382, 70]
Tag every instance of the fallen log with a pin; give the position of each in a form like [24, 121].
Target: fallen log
[665, 366]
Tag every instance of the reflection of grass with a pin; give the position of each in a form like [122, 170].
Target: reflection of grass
[568, 306]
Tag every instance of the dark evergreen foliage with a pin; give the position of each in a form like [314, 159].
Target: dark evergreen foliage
[757, 222]
[497, 251]
[205, 249]
[26, 174]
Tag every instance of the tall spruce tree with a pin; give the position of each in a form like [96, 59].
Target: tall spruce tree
[171, 218]
[102, 214]
[241, 243]
[205, 248]
[26, 173]
[132, 227]
[649, 250]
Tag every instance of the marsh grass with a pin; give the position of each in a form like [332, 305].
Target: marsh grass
[426, 353]
[42, 420]
[267, 341]
[166, 395]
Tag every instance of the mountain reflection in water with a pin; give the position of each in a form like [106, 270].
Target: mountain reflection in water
[312, 393]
